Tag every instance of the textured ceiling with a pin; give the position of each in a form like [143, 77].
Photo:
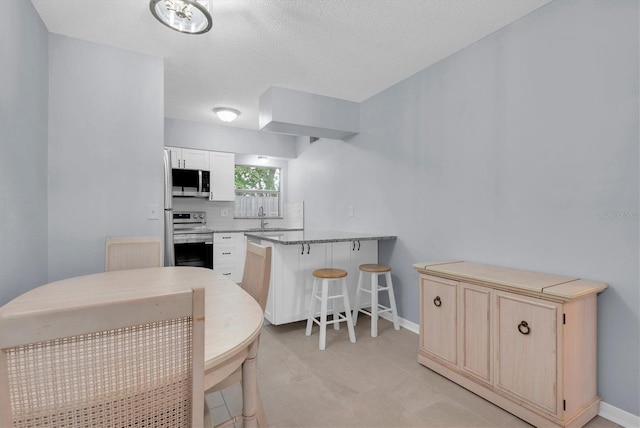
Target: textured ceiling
[349, 49]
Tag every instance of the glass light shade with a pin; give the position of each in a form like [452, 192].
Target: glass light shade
[226, 114]
[185, 16]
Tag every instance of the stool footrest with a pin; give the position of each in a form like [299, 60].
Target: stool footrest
[341, 318]
[339, 296]
[381, 310]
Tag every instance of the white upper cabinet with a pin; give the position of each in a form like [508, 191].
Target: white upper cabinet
[189, 158]
[222, 167]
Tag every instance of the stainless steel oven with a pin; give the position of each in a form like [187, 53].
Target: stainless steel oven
[192, 240]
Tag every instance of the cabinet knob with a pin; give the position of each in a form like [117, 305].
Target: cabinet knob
[437, 301]
[524, 328]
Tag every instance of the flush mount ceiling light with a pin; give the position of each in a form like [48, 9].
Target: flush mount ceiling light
[185, 16]
[226, 114]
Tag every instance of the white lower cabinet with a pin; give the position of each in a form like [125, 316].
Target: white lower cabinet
[523, 340]
[229, 255]
[349, 256]
[292, 280]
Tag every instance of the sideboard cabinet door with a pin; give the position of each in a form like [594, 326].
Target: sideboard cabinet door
[527, 336]
[475, 331]
[439, 311]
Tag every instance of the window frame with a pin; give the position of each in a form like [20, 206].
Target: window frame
[280, 192]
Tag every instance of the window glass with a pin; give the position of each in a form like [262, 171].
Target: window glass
[257, 186]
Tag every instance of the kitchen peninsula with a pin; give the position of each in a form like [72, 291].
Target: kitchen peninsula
[296, 254]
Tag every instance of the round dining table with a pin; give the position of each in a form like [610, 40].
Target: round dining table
[233, 319]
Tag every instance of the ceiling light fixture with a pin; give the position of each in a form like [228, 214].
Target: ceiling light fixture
[185, 16]
[226, 114]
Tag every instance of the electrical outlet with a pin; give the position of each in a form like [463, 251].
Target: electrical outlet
[224, 212]
[350, 211]
[152, 212]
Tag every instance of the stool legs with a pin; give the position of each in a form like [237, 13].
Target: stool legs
[347, 311]
[376, 309]
[312, 307]
[392, 301]
[374, 305]
[324, 297]
[356, 305]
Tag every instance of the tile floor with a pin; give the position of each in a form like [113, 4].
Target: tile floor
[375, 382]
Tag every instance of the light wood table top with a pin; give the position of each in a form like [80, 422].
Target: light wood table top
[233, 319]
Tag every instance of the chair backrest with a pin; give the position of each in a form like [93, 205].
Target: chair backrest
[257, 272]
[133, 252]
[123, 363]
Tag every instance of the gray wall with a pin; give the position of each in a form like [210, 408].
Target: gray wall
[106, 122]
[181, 133]
[23, 143]
[520, 150]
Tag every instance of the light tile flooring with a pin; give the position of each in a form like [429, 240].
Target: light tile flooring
[375, 382]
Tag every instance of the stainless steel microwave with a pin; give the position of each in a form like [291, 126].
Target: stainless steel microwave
[190, 183]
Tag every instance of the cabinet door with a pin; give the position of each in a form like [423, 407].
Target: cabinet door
[349, 256]
[475, 331]
[195, 159]
[438, 324]
[526, 335]
[222, 167]
[176, 157]
[312, 257]
[291, 284]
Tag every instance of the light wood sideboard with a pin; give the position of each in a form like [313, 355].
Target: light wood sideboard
[525, 341]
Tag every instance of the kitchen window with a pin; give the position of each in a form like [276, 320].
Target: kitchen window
[257, 186]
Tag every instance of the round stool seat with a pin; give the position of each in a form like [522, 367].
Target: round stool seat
[375, 268]
[329, 273]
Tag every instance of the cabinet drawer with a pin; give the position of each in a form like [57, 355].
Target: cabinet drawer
[527, 334]
[230, 272]
[227, 238]
[225, 254]
[439, 307]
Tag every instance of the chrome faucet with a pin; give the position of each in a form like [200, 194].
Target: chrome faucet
[261, 214]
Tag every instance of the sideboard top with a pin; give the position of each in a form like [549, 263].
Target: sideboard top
[533, 282]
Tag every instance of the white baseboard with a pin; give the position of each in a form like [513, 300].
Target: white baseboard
[409, 325]
[619, 416]
[607, 411]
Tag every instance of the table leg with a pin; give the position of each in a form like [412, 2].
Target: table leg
[250, 387]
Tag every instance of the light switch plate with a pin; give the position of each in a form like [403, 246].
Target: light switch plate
[152, 212]
[350, 211]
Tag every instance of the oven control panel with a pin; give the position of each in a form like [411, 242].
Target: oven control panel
[189, 217]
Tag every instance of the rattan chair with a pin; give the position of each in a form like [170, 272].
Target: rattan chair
[123, 363]
[255, 281]
[133, 252]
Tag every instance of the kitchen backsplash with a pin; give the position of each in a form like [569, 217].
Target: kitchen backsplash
[293, 214]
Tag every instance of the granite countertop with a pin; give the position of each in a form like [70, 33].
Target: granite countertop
[241, 229]
[315, 237]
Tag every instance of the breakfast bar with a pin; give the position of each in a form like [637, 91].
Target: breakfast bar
[296, 254]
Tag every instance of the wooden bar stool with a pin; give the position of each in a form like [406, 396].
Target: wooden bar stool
[376, 309]
[329, 276]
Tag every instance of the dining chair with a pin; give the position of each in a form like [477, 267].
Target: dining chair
[255, 281]
[133, 252]
[137, 362]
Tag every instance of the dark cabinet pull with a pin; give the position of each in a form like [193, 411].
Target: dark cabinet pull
[358, 245]
[354, 246]
[437, 301]
[308, 248]
[524, 328]
[302, 249]
[225, 254]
